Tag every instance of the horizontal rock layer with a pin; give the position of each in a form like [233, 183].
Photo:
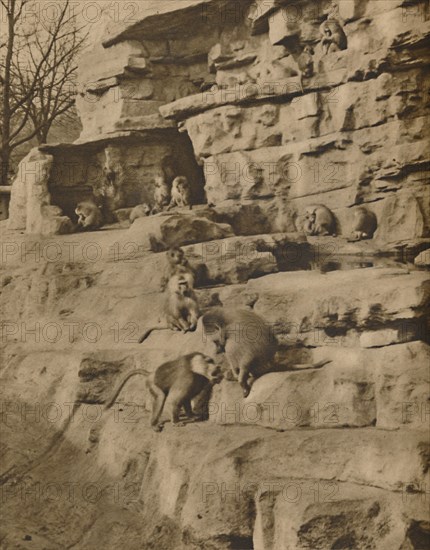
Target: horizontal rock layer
[315, 458]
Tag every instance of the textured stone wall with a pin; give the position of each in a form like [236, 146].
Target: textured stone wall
[350, 132]
[273, 114]
[333, 457]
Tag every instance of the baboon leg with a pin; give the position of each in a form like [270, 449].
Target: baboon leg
[182, 325]
[321, 230]
[244, 379]
[159, 398]
[235, 369]
[177, 322]
[201, 403]
[188, 408]
[177, 401]
[173, 323]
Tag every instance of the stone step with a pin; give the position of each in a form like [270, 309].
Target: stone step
[358, 388]
[362, 300]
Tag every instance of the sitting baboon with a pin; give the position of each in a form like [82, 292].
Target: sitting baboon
[89, 216]
[305, 61]
[177, 264]
[333, 36]
[161, 195]
[181, 193]
[140, 211]
[181, 309]
[365, 224]
[319, 221]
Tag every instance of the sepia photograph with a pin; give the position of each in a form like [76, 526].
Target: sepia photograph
[215, 274]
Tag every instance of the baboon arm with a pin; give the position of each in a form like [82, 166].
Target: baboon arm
[193, 316]
[183, 325]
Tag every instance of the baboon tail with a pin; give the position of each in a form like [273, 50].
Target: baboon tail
[148, 332]
[307, 366]
[126, 378]
[321, 363]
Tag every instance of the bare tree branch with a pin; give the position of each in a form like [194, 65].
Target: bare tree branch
[37, 74]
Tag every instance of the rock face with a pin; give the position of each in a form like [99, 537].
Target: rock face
[30, 206]
[266, 113]
[269, 108]
[344, 445]
[161, 232]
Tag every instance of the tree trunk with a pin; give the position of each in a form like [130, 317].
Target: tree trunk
[42, 136]
[5, 157]
[6, 111]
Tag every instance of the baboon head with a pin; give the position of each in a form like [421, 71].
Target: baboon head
[175, 256]
[216, 332]
[159, 182]
[206, 366]
[145, 209]
[181, 183]
[181, 285]
[311, 214]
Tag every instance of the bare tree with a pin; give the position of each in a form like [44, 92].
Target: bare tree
[37, 78]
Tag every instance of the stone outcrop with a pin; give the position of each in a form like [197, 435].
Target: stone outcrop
[30, 206]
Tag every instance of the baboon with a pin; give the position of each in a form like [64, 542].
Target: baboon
[247, 341]
[181, 193]
[140, 211]
[365, 224]
[305, 62]
[333, 36]
[161, 195]
[319, 221]
[181, 310]
[183, 379]
[89, 216]
[177, 264]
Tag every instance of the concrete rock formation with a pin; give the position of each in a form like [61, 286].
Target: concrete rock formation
[243, 100]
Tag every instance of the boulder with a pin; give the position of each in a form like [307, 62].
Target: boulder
[423, 259]
[30, 205]
[163, 231]
[30, 190]
[404, 218]
[237, 259]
